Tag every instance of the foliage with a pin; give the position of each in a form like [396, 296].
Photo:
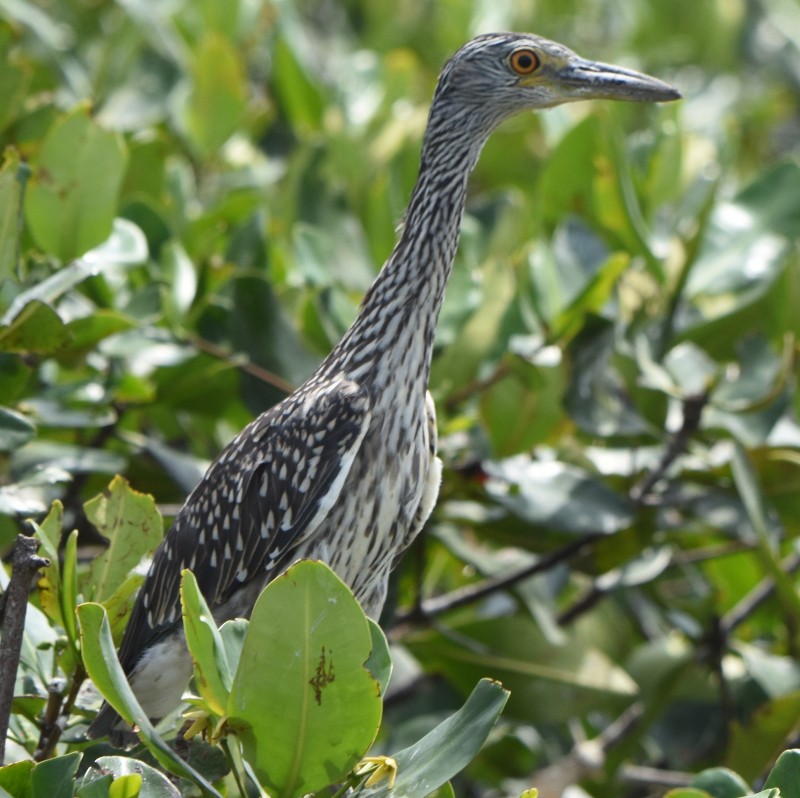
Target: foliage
[193, 199]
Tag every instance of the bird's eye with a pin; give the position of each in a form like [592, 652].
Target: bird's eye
[523, 62]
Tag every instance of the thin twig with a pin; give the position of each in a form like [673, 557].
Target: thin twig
[56, 721]
[477, 386]
[25, 564]
[253, 369]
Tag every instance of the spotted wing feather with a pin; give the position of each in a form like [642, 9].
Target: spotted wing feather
[268, 490]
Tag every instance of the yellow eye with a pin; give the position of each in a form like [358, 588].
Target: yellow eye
[525, 61]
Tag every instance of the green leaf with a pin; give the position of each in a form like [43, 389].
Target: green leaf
[446, 791]
[96, 787]
[523, 408]
[687, 792]
[15, 430]
[14, 374]
[125, 246]
[125, 786]
[447, 750]
[69, 588]
[133, 526]
[721, 783]
[233, 634]
[15, 778]
[549, 682]
[37, 329]
[786, 774]
[212, 672]
[49, 535]
[102, 665]
[54, 778]
[310, 708]
[556, 495]
[217, 98]
[71, 199]
[754, 746]
[12, 178]
[87, 332]
[120, 603]
[379, 663]
[152, 783]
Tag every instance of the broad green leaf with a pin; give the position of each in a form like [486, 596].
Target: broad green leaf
[379, 663]
[747, 237]
[755, 745]
[15, 430]
[126, 245]
[125, 786]
[87, 332]
[15, 78]
[94, 786]
[133, 526]
[71, 198]
[785, 775]
[218, 93]
[55, 778]
[37, 329]
[446, 791]
[298, 95]
[14, 375]
[687, 792]
[119, 604]
[721, 783]
[211, 669]
[49, 535]
[523, 408]
[308, 707]
[447, 750]
[549, 683]
[747, 486]
[15, 778]
[556, 495]
[102, 665]
[152, 784]
[233, 634]
[69, 588]
[12, 179]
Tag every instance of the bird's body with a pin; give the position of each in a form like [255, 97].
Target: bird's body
[344, 469]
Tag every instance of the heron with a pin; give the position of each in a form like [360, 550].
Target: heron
[345, 468]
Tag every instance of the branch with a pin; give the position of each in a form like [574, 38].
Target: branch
[24, 566]
[253, 369]
[469, 594]
[692, 413]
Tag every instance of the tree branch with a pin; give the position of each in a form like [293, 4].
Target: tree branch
[469, 594]
[25, 564]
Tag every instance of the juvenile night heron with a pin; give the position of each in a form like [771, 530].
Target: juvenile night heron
[344, 469]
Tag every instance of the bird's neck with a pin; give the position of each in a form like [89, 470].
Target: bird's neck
[400, 310]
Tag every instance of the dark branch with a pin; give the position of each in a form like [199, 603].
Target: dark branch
[692, 413]
[469, 594]
[25, 564]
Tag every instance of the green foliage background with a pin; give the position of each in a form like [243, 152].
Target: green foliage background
[616, 359]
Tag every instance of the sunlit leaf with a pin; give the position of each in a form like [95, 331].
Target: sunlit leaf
[72, 192]
[302, 671]
[133, 526]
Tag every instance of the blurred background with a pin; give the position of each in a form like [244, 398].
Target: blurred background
[617, 535]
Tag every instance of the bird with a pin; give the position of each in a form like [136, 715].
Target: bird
[345, 468]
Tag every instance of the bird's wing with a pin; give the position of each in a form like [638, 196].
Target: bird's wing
[270, 488]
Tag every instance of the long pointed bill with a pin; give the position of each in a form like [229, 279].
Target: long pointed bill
[593, 80]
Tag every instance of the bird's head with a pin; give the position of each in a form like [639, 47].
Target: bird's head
[500, 74]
